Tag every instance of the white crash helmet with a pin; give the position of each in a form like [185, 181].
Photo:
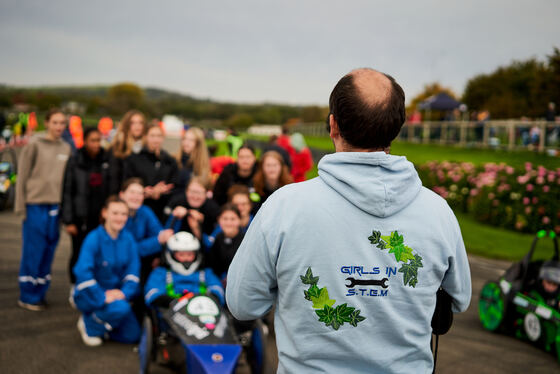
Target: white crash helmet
[183, 241]
[550, 271]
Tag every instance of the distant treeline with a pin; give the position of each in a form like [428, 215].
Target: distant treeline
[116, 100]
[523, 88]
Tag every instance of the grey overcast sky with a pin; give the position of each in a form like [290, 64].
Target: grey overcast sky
[290, 51]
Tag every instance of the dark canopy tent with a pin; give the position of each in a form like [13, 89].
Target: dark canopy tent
[441, 101]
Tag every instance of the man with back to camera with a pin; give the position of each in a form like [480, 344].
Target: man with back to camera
[352, 260]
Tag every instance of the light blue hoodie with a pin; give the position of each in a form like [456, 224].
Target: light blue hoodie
[365, 218]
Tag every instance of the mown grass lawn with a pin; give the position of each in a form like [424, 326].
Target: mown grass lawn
[422, 153]
[494, 242]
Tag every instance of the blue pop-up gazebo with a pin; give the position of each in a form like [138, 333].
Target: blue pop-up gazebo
[441, 101]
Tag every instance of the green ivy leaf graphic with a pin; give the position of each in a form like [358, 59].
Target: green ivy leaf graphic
[375, 237]
[308, 278]
[402, 253]
[313, 291]
[320, 301]
[407, 254]
[355, 318]
[343, 312]
[381, 244]
[410, 274]
[396, 239]
[416, 261]
[326, 315]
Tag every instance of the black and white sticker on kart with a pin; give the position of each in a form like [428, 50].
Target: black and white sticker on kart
[203, 307]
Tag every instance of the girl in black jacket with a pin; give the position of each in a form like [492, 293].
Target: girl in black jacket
[193, 211]
[241, 172]
[157, 169]
[227, 242]
[86, 187]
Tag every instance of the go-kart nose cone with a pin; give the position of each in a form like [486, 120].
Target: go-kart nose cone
[212, 358]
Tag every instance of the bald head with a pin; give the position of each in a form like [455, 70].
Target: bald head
[368, 107]
[373, 87]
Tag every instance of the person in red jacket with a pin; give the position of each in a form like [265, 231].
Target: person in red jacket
[301, 157]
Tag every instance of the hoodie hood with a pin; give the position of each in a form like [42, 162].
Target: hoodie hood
[377, 183]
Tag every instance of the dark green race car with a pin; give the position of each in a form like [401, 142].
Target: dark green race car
[518, 304]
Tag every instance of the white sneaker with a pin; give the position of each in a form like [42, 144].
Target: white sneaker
[90, 341]
[32, 307]
[71, 298]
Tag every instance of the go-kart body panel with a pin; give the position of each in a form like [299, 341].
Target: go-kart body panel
[512, 304]
[211, 358]
[204, 333]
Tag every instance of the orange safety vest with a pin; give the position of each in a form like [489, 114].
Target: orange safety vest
[32, 121]
[77, 131]
[105, 126]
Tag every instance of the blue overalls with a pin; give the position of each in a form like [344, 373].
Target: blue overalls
[106, 263]
[40, 237]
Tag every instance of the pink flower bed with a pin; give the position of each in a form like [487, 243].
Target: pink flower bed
[525, 200]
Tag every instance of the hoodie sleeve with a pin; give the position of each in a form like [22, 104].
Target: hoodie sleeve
[25, 167]
[251, 282]
[131, 280]
[67, 206]
[173, 223]
[457, 279]
[115, 174]
[173, 176]
[214, 285]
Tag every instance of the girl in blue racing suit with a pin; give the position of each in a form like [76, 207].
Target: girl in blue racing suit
[107, 279]
[144, 226]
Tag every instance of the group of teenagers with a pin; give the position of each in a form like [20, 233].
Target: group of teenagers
[146, 226]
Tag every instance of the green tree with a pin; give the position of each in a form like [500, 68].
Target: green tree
[241, 120]
[267, 114]
[44, 101]
[552, 88]
[125, 96]
[314, 114]
[522, 88]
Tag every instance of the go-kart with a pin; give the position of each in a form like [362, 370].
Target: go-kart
[196, 335]
[509, 305]
[7, 178]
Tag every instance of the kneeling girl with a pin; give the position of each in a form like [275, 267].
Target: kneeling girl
[107, 279]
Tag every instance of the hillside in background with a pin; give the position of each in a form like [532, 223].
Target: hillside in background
[115, 100]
